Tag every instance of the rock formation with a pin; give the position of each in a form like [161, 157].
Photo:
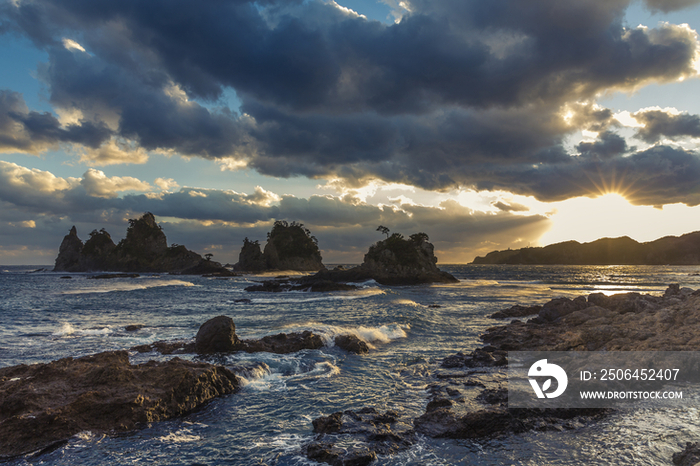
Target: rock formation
[43, 404]
[251, 258]
[144, 249]
[393, 261]
[672, 250]
[290, 246]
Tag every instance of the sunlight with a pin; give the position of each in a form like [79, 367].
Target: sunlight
[586, 219]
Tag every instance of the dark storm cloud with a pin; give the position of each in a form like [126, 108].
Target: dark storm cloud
[658, 124]
[608, 145]
[28, 131]
[462, 93]
[670, 5]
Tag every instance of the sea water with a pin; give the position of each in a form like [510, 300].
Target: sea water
[44, 316]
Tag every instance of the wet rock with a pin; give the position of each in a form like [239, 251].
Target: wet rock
[371, 433]
[491, 396]
[560, 307]
[480, 357]
[517, 311]
[133, 327]
[282, 343]
[42, 404]
[351, 344]
[217, 335]
[167, 347]
[690, 456]
[324, 452]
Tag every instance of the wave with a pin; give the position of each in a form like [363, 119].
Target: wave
[303, 296]
[282, 370]
[380, 334]
[181, 436]
[127, 286]
[68, 330]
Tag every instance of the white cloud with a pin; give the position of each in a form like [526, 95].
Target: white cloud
[97, 184]
[70, 44]
[26, 179]
[114, 152]
[166, 184]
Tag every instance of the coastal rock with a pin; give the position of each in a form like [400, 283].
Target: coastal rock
[42, 404]
[217, 335]
[517, 311]
[393, 261]
[630, 322]
[68, 259]
[251, 258]
[144, 249]
[282, 343]
[372, 434]
[351, 344]
[292, 247]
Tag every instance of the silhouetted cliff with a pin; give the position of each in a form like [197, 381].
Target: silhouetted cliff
[289, 246]
[394, 261]
[144, 249]
[671, 250]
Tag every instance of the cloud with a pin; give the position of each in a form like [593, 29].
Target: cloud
[345, 226]
[660, 123]
[22, 130]
[97, 184]
[457, 94]
[669, 5]
[166, 184]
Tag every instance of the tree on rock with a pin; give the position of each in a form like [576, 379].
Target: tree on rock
[383, 229]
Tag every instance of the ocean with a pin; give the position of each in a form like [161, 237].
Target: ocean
[45, 317]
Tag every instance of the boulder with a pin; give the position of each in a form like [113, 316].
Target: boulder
[45, 404]
[351, 344]
[217, 335]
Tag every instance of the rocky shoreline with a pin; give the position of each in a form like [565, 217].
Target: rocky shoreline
[467, 394]
[43, 405]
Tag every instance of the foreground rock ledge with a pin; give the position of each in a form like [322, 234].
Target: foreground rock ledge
[43, 404]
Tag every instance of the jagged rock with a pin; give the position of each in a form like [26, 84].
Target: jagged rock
[560, 307]
[517, 311]
[373, 434]
[351, 344]
[42, 404]
[217, 335]
[292, 247]
[144, 249]
[282, 343]
[251, 258]
[68, 259]
[393, 261]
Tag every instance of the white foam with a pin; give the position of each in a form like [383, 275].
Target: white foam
[181, 436]
[303, 296]
[127, 286]
[381, 334]
[67, 330]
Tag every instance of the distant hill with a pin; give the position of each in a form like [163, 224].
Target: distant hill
[671, 250]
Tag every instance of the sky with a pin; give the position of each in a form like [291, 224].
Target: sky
[486, 124]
